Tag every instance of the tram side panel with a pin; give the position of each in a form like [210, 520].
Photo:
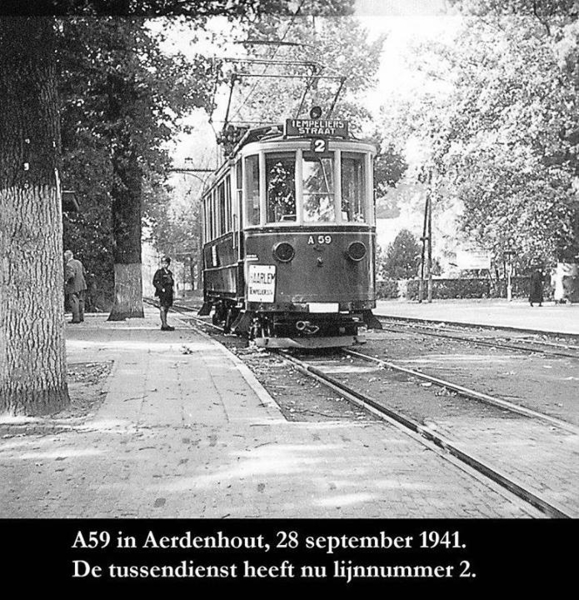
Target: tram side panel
[220, 280]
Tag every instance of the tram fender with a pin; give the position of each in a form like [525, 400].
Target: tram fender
[242, 323]
[204, 310]
[370, 320]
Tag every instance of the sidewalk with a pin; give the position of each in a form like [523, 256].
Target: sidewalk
[186, 431]
[552, 318]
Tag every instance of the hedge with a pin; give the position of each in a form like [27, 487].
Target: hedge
[445, 289]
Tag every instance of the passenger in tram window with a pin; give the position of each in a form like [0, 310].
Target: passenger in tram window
[281, 203]
[352, 212]
[346, 210]
[536, 286]
[164, 283]
[353, 186]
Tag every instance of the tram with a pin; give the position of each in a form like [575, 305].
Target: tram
[289, 236]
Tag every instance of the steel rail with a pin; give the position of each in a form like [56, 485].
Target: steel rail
[467, 392]
[574, 336]
[518, 489]
[491, 344]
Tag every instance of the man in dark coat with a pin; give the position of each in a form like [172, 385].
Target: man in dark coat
[75, 286]
[164, 283]
[536, 287]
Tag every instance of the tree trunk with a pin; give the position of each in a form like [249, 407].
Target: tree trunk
[127, 228]
[128, 301]
[32, 343]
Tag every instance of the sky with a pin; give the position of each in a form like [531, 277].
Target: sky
[406, 22]
[401, 7]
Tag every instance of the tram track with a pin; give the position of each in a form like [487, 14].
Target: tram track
[433, 329]
[467, 392]
[522, 490]
[400, 325]
[448, 385]
[450, 443]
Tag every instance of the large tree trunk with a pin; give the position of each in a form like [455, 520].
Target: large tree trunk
[127, 228]
[32, 343]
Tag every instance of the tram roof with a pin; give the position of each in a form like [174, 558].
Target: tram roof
[273, 133]
[261, 134]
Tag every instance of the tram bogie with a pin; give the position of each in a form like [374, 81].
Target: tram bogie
[289, 239]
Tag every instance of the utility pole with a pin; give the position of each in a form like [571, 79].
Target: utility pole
[426, 254]
[423, 252]
[429, 256]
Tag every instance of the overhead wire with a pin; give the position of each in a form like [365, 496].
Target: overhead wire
[254, 86]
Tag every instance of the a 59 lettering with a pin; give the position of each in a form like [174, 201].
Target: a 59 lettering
[320, 239]
[93, 539]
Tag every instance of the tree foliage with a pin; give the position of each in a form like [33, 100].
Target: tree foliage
[164, 8]
[122, 99]
[402, 257]
[503, 137]
[511, 143]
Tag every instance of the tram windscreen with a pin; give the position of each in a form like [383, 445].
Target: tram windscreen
[318, 189]
[354, 208]
[281, 193]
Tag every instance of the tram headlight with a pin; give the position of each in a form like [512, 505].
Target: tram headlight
[284, 252]
[356, 251]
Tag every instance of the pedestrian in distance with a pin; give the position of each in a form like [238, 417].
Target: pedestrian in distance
[536, 286]
[164, 283]
[75, 286]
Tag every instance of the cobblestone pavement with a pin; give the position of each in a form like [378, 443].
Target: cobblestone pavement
[186, 431]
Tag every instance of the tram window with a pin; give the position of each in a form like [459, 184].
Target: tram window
[238, 196]
[354, 207]
[252, 187]
[238, 169]
[318, 186]
[214, 216]
[205, 222]
[222, 210]
[228, 221]
[281, 193]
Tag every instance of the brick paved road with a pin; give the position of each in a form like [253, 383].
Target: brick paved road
[186, 432]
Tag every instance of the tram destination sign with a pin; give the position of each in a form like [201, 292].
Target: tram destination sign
[317, 127]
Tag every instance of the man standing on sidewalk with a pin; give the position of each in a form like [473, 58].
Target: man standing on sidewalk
[75, 286]
[164, 283]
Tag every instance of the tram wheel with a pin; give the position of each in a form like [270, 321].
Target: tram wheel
[232, 314]
[219, 314]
